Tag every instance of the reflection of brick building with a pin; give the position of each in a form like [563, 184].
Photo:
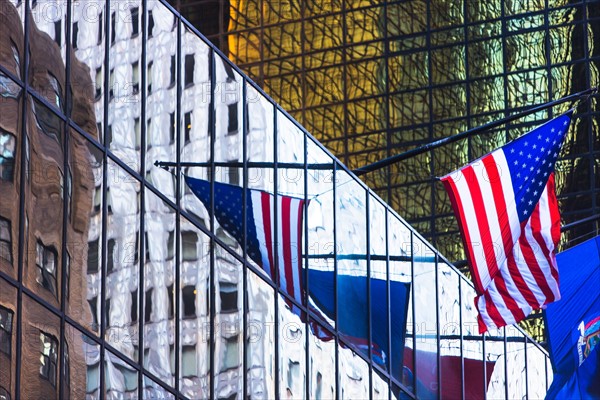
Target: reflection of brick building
[45, 184]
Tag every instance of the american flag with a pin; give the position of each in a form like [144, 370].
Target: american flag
[261, 229]
[507, 211]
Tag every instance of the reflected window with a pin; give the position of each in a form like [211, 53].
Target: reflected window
[190, 63]
[138, 132]
[319, 388]
[93, 378]
[17, 58]
[69, 193]
[47, 121]
[135, 21]
[107, 312]
[188, 295]
[187, 128]
[171, 296]
[45, 261]
[135, 77]
[148, 305]
[150, 24]
[57, 91]
[92, 261]
[231, 356]
[93, 302]
[5, 240]
[149, 79]
[99, 86]
[229, 71]
[27, 158]
[172, 127]
[8, 88]
[75, 34]
[100, 26]
[229, 297]
[134, 306]
[232, 125]
[97, 199]
[173, 71]
[58, 32]
[111, 85]
[4, 395]
[8, 143]
[170, 245]
[189, 366]
[66, 366]
[189, 246]
[6, 318]
[293, 374]
[234, 174]
[113, 28]
[110, 255]
[108, 195]
[67, 274]
[48, 357]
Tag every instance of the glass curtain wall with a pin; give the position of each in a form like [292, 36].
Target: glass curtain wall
[116, 281]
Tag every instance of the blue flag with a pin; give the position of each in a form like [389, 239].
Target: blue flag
[573, 324]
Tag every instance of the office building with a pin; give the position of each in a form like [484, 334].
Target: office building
[116, 282]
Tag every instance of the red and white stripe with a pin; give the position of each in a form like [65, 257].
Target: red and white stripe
[513, 264]
[289, 236]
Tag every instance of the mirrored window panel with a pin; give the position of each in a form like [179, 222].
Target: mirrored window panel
[124, 123]
[496, 372]
[120, 378]
[322, 365]
[161, 89]
[450, 329]
[425, 351]
[88, 69]
[320, 251]
[516, 370]
[81, 365]
[40, 351]
[228, 324]
[158, 297]
[122, 266]
[260, 338]
[353, 374]
[12, 39]
[229, 112]
[44, 198]
[154, 390]
[292, 350]
[8, 338]
[351, 279]
[194, 312]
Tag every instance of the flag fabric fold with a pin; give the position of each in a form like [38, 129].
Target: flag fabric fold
[507, 213]
[261, 229]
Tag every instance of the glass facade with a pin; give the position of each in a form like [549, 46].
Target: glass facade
[373, 79]
[116, 282]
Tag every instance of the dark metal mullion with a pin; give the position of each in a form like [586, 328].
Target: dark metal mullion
[369, 305]
[142, 232]
[526, 371]
[345, 78]
[25, 74]
[212, 282]
[335, 282]
[432, 184]
[505, 364]
[437, 328]
[388, 128]
[176, 286]
[276, 249]
[462, 350]
[245, 305]
[66, 203]
[588, 107]
[414, 315]
[548, 45]
[304, 260]
[484, 358]
[105, 101]
[467, 89]
[388, 301]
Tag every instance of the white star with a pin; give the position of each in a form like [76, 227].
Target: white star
[527, 190]
[516, 162]
[566, 122]
[560, 132]
[552, 130]
[537, 159]
[528, 155]
[524, 212]
[539, 136]
[545, 174]
[512, 150]
[524, 165]
[540, 183]
[519, 175]
[522, 199]
[555, 154]
[531, 168]
[535, 193]
[530, 202]
[542, 149]
[526, 144]
[547, 140]
[535, 146]
[526, 178]
[520, 153]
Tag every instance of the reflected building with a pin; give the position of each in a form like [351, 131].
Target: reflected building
[117, 282]
[375, 79]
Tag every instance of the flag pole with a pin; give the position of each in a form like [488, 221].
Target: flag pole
[451, 139]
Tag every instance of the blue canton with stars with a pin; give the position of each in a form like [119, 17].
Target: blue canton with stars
[228, 210]
[531, 160]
